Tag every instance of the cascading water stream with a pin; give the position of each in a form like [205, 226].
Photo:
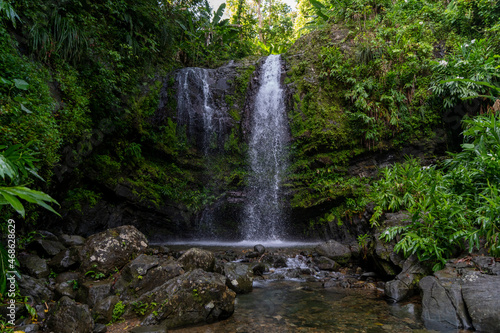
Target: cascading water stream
[194, 103]
[263, 215]
[195, 111]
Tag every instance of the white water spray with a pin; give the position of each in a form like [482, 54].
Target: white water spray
[263, 215]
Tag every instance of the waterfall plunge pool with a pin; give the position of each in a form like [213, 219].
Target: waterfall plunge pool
[291, 306]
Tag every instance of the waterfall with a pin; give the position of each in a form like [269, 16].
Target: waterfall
[203, 123]
[195, 108]
[263, 214]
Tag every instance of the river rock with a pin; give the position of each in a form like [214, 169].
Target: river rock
[406, 282]
[68, 276]
[65, 260]
[326, 264]
[481, 294]
[191, 298]
[72, 240]
[91, 292]
[197, 258]
[102, 312]
[37, 288]
[112, 249]
[143, 274]
[65, 288]
[335, 251]
[100, 328]
[459, 296]
[238, 277]
[260, 268]
[46, 248]
[260, 249]
[70, 317]
[35, 266]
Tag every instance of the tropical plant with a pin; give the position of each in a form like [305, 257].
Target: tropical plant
[16, 164]
[449, 207]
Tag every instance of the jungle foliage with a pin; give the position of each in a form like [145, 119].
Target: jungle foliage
[80, 82]
[382, 75]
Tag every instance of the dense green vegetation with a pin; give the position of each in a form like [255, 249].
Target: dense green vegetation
[80, 83]
[373, 83]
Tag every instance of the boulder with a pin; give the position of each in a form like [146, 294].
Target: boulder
[260, 268]
[112, 249]
[45, 247]
[102, 312]
[35, 266]
[191, 298]
[66, 288]
[259, 249]
[100, 328]
[65, 260]
[73, 240]
[238, 277]
[326, 264]
[70, 317]
[482, 299]
[438, 307]
[36, 288]
[197, 258]
[91, 292]
[406, 282]
[459, 296]
[143, 274]
[335, 251]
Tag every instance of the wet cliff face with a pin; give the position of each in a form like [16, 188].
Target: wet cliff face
[201, 112]
[206, 117]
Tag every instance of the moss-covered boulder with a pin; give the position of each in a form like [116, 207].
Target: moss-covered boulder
[335, 251]
[197, 258]
[192, 298]
[112, 249]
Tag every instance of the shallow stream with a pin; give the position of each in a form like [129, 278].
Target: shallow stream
[281, 302]
[294, 306]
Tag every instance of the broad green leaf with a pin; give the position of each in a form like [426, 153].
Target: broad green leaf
[21, 84]
[219, 13]
[6, 168]
[13, 201]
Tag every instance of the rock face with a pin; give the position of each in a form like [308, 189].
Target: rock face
[112, 249]
[459, 296]
[335, 251]
[70, 317]
[191, 298]
[197, 258]
[239, 277]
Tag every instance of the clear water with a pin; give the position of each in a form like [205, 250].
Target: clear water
[263, 215]
[288, 306]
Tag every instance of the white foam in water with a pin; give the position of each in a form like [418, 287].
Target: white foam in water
[244, 243]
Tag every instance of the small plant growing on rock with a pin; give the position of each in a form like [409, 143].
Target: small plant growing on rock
[140, 308]
[118, 312]
[95, 275]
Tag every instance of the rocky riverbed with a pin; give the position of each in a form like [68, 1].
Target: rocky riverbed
[115, 280]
